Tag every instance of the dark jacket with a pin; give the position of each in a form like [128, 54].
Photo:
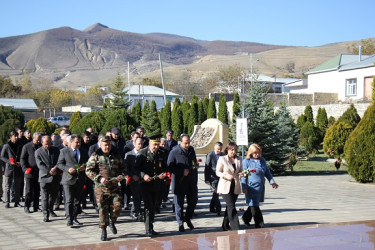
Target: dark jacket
[170, 145]
[129, 146]
[152, 165]
[11, 150]
[28, 160]
[45, 162]
[66, 161]
[130, 162]
[119, 145]
[179, 160]
[93, 148]
[210, 167]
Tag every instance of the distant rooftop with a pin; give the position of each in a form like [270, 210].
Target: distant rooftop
[337, 62]
[148, 90]
[19, 104]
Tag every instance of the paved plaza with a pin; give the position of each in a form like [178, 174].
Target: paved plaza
[299, 201]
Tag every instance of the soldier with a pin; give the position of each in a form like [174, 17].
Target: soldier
[182, 164]
[106, 168]
[151, 164]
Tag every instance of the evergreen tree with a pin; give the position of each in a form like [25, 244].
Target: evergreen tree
[185, 108]
[74, 119]
[176, 104]
[335, 138]
[119, 98]
[360, 148]
[331, 121]
[211, 110]
[150, 119]
[137, 113]
[167, 117]
[5, 129]
[121, 119]
[177, 125]
[205, 107]
[95, 120]
[309, 114]
[322, 122]
[350, 116]
[201, 114]
[236, 107]
[263, 128]
[223, 110]
[309, 137]
[8, 113]
[41, 125]
[193, 120]
[301, 120]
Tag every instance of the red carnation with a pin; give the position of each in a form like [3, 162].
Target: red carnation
[12, 160]
[84, 187]
[128, 179]
[28, 171]
[253, 170]
[199, 159]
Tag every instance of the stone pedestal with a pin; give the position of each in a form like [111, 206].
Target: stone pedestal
[207, 134]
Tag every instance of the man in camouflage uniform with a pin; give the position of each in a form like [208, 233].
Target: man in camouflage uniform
[106, 168]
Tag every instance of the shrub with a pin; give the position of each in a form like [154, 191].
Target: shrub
[335, 138]
[309, 137]
[360, 148]
[74, 119]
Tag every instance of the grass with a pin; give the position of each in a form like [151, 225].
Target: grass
[316, 164]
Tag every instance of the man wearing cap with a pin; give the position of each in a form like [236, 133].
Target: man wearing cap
[118, 143]
[151, 164]
[181, 161]
[106, 168]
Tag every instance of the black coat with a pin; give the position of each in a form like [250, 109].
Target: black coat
[66, 161]
[179, 160]
[210, 167]
[11, 150]
[28, 160]
[130, 162]
[119, 145]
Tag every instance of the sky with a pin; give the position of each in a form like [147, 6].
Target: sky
[295, 22]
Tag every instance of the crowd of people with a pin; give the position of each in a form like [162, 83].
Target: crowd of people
[114, 174]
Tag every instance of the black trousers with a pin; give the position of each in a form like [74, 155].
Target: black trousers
[49, 196]
[136, 194]
[150, 198]
[230, 215]
[125, 194]
[72, 200]
[254, 211]
[215, 205]
[32, 192]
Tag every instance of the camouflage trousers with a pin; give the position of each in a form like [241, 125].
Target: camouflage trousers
[109, 204]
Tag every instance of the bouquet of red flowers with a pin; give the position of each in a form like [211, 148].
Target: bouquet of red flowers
[248, 171]
[12, 161]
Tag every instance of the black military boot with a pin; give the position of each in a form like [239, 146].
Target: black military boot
[103, 237]
[112, 227]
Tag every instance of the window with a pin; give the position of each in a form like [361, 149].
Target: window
[351, 87]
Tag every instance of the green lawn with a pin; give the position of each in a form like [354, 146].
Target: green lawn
[316, 164]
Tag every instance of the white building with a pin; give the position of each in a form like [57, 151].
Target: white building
[350, 76]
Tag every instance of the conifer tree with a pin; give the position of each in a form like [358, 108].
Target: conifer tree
[335, 138]
[150, 119]
[185, 108]
[309, 137]
[166, 117]
[262, 128]
[193, 120]
[301, 120]
[201, 115]
[309, 114]
[211, 110]
[95, 120]
[119, 99]
[74, 119]
[360, 148]
[121, 119]
[331, 121]
[5, 129]
[322, 122]
[41, 125]
[223, 110]
[350, 116]
[177, 119]
[236, 107]
[205, 107]
[137, 113]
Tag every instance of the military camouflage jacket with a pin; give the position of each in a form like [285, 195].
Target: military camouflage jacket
[105, 166]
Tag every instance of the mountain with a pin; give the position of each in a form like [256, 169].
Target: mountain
[71, 57]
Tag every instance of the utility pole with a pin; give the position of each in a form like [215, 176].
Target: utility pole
[162, 80]
[251, 68]
[129, 84]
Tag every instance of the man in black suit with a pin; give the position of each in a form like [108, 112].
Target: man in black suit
[49, 175]
[170, 142]
[118, 142]
[211, 178]
[181, 163]
[31, 172]
[131, 158]
[152, 166]
[72, 161]
[10, 154]
[141, 131]
[129, 146]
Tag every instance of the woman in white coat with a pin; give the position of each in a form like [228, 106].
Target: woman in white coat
[229, 169]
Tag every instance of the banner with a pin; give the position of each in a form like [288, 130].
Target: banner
[241, 132]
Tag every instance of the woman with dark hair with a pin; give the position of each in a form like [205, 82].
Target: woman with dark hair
[229, 169]
[253, 185]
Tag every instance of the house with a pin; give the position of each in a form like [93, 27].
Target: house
[276, 83]
[23, 105]
[148, 93]
[350, 76]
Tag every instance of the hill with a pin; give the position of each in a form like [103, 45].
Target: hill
[70, 57]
